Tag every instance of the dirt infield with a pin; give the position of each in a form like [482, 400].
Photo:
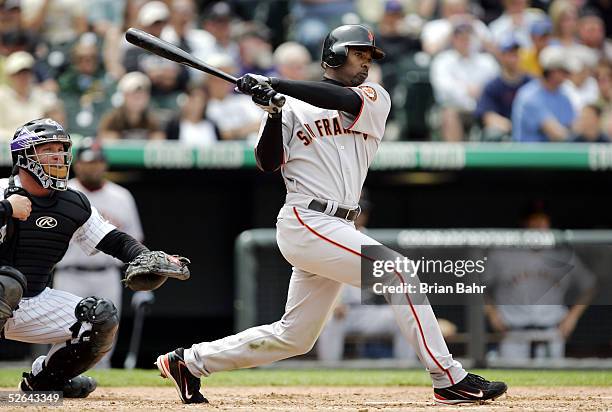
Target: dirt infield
[338, 398]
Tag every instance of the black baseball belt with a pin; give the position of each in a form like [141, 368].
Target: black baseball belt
[347, 214]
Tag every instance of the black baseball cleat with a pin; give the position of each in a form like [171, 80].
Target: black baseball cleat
[172, 365]
[77, 387]
[472, 389]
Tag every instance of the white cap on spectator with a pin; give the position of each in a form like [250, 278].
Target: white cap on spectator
[152, 12]
[582, 57]
[17, 62]
[291, 51]
[133, 81]
[555, 58]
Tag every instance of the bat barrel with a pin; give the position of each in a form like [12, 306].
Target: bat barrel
[169, 51]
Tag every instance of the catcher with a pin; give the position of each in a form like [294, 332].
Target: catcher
[39, 215]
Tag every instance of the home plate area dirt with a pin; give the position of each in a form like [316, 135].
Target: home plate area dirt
[361, 399]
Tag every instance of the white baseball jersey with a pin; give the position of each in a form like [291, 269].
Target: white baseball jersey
[326, 156]
[328, 152]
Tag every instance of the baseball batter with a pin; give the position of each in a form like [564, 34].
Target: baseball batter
[39, 215]
[323, 141]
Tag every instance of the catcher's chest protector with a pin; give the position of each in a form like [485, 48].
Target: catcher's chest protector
[36, 245]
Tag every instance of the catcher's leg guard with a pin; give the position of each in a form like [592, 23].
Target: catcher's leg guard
[82, 352]
[12, 285]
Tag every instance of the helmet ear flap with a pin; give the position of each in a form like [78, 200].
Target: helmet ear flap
[335, 58]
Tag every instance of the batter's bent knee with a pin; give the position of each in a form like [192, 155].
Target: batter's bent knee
[299, 340]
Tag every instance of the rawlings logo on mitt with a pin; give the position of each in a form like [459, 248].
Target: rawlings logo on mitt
[150, 270]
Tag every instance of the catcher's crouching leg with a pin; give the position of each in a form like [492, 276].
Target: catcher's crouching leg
[12, 286]
[60, 370]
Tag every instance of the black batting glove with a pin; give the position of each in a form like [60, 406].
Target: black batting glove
[262, 97]
[247, 83]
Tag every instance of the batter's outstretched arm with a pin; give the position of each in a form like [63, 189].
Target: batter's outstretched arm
[324, 94]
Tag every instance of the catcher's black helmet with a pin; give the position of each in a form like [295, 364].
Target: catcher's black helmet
[335, 46]
[50, 175]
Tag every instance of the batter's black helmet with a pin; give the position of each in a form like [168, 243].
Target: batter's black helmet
[335, 46]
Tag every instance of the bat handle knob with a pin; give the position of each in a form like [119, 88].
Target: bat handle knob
[278, 100]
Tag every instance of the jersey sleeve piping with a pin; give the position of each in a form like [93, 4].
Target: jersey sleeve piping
[360, 110]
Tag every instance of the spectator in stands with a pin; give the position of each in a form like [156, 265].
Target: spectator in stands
[21, 40]
[399, 40]
[114, 44]
[607, 123]
[134, 118]
[192, 126]
[15, 37]
[418, 11]
[494, 108]
[313, 19]
[168, 81]
[20, 98]
[591, 33]
[394, 34]
[292, 61]
[458, 76]
[152, 18]
[527, 290]
[581, 87]
[217, 20]
[529, 57]
[183, 32]
[604, 9]
[85, 88]
[589, 126]
[541, 112]
[255, 49]
[11, 18]
[564, 18]
[103, 15]
[59, 22]
[516, 20]
[235, 114]
[436, 34]
[55, 110]
[603, 75]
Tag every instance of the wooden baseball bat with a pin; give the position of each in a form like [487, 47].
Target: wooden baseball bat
[171, 52]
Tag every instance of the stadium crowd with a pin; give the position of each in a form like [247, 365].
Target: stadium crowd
[457, 70]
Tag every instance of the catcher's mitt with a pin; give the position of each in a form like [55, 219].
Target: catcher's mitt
[150, 270]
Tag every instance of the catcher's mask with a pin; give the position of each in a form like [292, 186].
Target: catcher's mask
[51, 169]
